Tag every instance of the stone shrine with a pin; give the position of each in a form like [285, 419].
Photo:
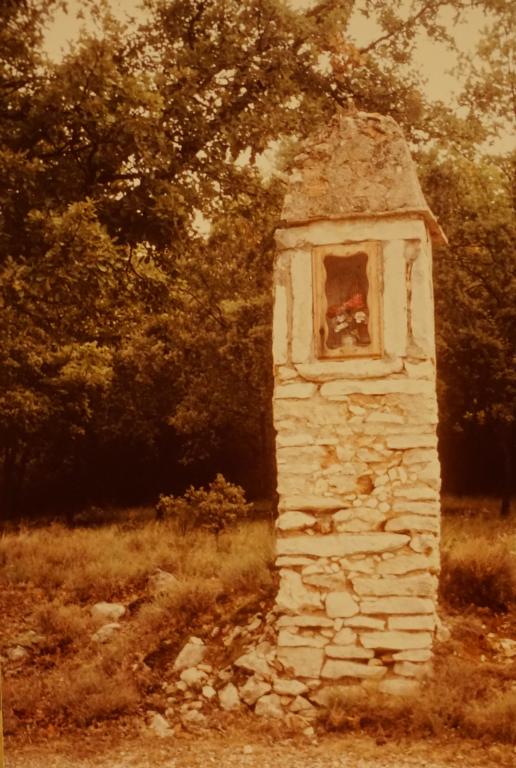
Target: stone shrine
[355, 412]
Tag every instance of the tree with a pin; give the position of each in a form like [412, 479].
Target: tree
[124, 327]
[475, 281]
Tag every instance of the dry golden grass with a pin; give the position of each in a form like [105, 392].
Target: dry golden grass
[94, 682]
[478, 555]
[102, 563]
[461, 697]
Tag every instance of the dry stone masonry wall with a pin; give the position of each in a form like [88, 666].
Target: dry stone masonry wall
[358, 473]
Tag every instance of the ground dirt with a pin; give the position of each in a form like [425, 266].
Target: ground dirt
[245, 748]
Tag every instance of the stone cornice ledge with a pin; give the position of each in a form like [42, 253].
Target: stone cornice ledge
[333, 370]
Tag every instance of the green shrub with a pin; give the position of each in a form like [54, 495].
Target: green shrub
[214, 509]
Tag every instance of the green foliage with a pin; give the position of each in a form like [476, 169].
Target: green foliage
[214, 509]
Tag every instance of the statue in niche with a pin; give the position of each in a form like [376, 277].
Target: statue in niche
[347, 314]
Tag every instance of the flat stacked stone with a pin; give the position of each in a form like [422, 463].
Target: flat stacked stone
[358, 472]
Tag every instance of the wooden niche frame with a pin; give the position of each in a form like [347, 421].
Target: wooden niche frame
[373, 252]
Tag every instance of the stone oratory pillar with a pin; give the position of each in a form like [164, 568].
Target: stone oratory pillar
[355, 412]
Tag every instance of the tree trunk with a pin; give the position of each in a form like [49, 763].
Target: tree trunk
[506, 444]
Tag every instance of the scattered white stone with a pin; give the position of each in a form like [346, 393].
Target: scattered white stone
[253, 662]
[302, 706]
[229, 698]
[17, 653]
[269, 706]
[159, 725]
[193, 677]
[208, 692]
[253, 689]
[162, 581]
[285, 687]
[108, 611]
[105, 632]
[193, 717]
[191, 655]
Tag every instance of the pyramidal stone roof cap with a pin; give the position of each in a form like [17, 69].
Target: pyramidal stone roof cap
[358, 166]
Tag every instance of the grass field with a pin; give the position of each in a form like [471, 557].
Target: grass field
[51, 576]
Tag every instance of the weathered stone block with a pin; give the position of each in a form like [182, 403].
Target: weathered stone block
[293, 596]
[393, 605]
[334, 669]
[294, 440]
[280, 326]
[413, 523]
[301, 273]
[340, 605]
[341, 544]
[304, 662]
[402, 564]
[424, 585]
[289, 687]
[394, 298]
[358, 519]
[391, 640]
[310, 503]
[364, 622]
[313, 620]
[417, 507]
[418, 456]
[402, 442]
[412, 622]
[348, 652]
[419, 492]
[329, 370]
[340, 390]
[415, 654]
[295, 640]
[294, 520]
[344, 636]
[298, 390]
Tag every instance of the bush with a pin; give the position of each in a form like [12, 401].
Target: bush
[461, 697]
[215, 509]
[479, 572]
